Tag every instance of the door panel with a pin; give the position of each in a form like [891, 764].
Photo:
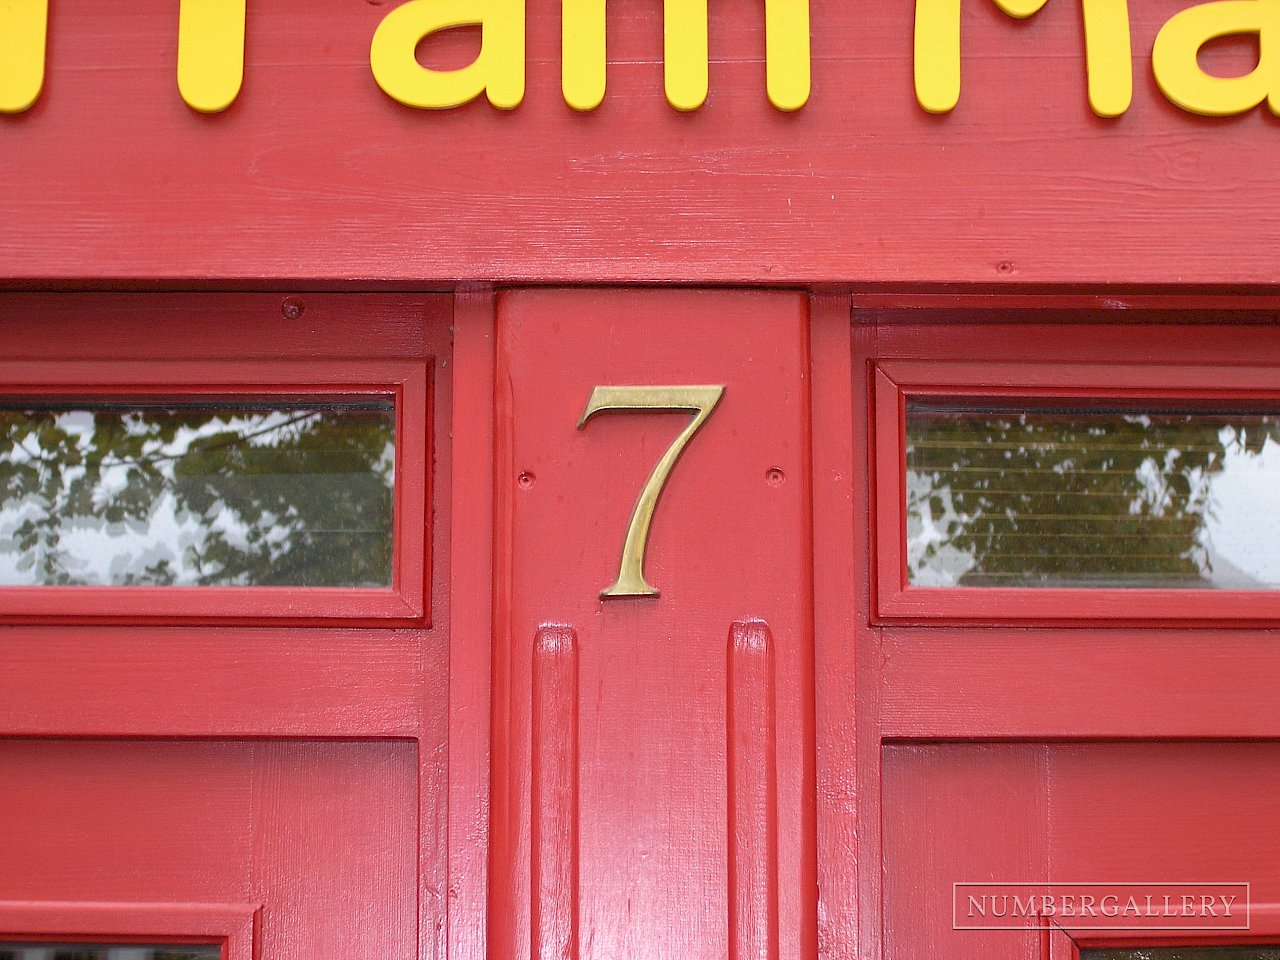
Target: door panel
[1090, 813]
[653, 773]
[297, 828]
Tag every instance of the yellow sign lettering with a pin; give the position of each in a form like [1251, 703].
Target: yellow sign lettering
[684, 52]
[786, 52]
[23, 26]
[210, 53]
[1178, 72]
[582, 53]
[685, 55]
[1108, 53]
[497, 72]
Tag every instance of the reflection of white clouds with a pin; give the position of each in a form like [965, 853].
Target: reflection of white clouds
[386, 465]
[1242, 524]
[931, 558]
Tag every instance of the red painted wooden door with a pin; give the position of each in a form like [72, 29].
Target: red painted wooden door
[783, 749]
[247, 767]
[653, 766]
[1090, 737]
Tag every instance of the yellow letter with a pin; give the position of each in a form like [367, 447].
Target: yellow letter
[786, 52]
[23, 25]
[1108, 57]
[210, 53]
[937, 54]
[684, 52]
[786, 57]
[582, 53]
[1179, 41]
[498, 71]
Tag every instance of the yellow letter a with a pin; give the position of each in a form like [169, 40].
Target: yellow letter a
[498, 71]
[1177, 70]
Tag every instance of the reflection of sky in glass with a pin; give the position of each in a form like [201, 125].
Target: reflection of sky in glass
[217, 496]
[998, 506]
[89, 951]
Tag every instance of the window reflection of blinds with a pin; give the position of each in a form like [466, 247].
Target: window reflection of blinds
[1058, 496]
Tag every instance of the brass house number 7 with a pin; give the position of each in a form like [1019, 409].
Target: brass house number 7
[698, 400]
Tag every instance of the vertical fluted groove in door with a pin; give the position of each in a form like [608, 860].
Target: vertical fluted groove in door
[554, 858]
[753, 794]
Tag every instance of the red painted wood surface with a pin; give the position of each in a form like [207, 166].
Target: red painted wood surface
[300, 767]
[751, 765]
[751, 746]
[319, 836]
[314, 175]
[847, 760]
[229, 924]
[1051, 749]
[1092, 812]
[463, 769]
[661, 694]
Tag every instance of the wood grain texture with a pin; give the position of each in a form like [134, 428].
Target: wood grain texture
[1080, 683]
[751, 742]
[652, 771]
[835, 445]
[470, 580]
[314, 175]
[1104, 813]
[321, 834]
[122, 681]
[955, 813]
[277, 326]
[553, 846]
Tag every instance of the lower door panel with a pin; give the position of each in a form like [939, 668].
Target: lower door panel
[318, 838]
[1095, 814]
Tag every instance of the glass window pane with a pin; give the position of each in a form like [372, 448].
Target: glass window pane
[1183, 953]
[90, 951]
[1066, 497]
[206, 492]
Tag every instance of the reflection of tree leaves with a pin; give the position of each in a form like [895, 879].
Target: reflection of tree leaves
[1062, 498]
[298, 501]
